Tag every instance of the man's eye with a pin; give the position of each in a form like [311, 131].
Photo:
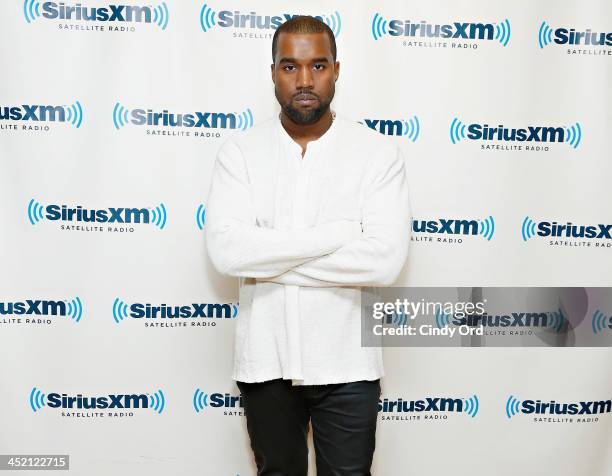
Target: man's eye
[319, 66]
[288, 66]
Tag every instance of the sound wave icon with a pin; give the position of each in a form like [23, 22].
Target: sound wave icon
[207, 18]
[502, 32]
[200, 216]
[157, 401]
[31, 10]
[334, 22]
[600, 321]
[200, 400]
[457, 131]
[120, 116]
[37, 399]
[574, 135]
[159, 216]
[75, 309]
[412, 128]
[557, 320]
[245, 119]
[442, 318]
[471, 405]
[397, 318]
[74, 114]
[512, 406]
[35, 212]
[379, 26]
[120, 310]
[528, 228]
[544, 35]
[487, 227]
[161, 15]
[235, 310]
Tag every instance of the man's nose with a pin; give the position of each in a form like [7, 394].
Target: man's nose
[305, 79]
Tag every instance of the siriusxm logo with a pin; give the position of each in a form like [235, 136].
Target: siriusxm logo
[72, 308]
[37, 212]
[483, 132]
[569, 36]
[72, 114]
[555, 320]
[600, 322]
[539, 407]
[203, 400]
[431, 404]
[410, 128]
[154, 401]
[499, 32]
[122, 310]
[158, 15]
[207, 120]
[531, 229]
[455, 226]
[210, 18]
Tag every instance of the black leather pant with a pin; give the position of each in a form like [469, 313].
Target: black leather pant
[343, 418]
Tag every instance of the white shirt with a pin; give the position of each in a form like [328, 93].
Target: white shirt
[305, 235]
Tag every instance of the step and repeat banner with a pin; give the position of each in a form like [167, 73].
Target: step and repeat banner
[116, 333]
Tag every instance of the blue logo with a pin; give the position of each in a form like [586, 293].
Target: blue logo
[484, 227]
[410, 128]
[159, 15]
[209, 19]
[122, 310]
[469, 406]
[37, 212]
[203, 400]
[154, 401]
[569, 36]
[514, 407]
[499, 32]
[72, 114]
[531, 229]
[72, 308]
[571, 134]
[601, 322]
[200, 216]
[207, 120]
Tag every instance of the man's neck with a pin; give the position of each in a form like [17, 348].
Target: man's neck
[304, 133]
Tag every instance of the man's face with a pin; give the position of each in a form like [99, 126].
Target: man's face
[304, 75]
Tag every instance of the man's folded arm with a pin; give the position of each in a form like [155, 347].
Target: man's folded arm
[378, 255]
[238, 247]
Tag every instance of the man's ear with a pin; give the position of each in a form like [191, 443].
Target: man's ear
[272, 71]
[336, 70]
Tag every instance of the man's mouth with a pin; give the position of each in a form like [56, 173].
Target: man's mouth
[305, 99]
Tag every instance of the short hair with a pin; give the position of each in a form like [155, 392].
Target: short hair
[304, 24]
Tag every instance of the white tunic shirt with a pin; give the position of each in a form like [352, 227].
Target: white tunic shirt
[304, 235]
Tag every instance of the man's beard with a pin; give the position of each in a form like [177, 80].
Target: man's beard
[307, 116]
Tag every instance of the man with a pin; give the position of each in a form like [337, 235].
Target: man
[306, 209]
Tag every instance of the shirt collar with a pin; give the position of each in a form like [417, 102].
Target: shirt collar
[322, 141]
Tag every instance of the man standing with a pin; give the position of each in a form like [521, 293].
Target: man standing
[307, 208]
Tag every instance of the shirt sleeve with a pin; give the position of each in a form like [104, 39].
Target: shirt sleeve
[238, 247]
[376, 257]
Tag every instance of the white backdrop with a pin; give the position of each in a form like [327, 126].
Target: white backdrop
[88, 150]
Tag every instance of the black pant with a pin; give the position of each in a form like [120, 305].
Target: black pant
[343, 420]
